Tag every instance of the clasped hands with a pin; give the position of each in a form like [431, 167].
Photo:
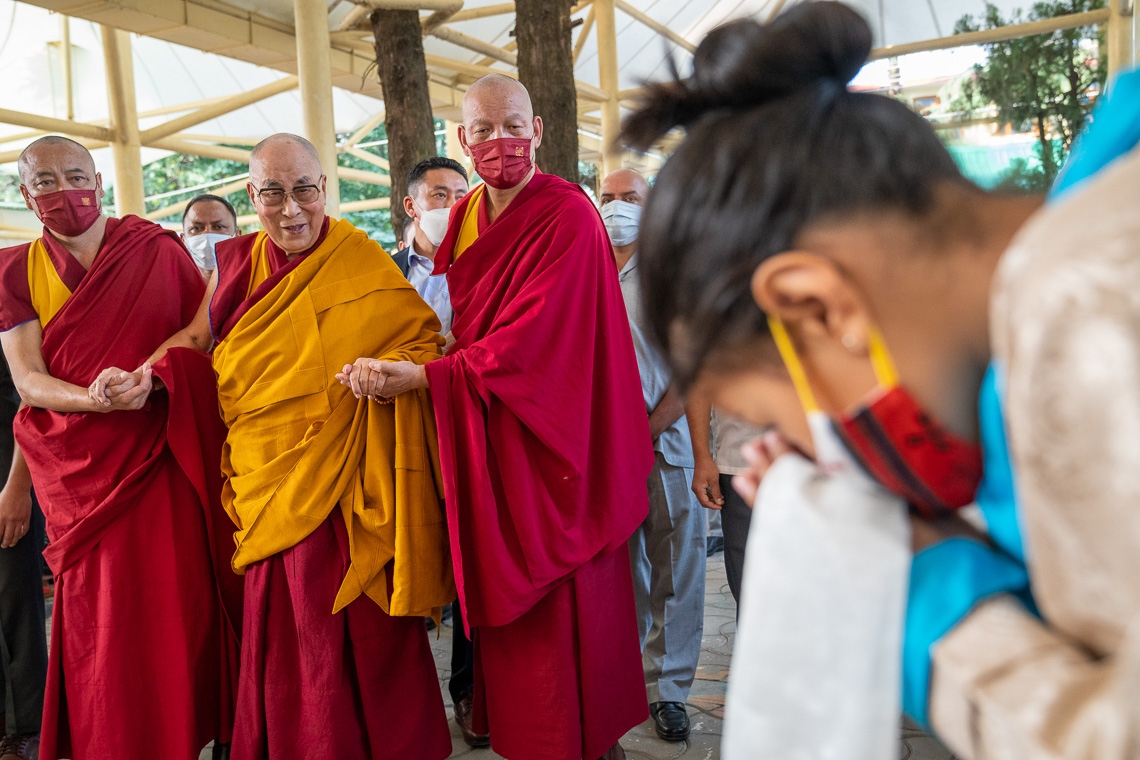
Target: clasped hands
[116, 390]
[376, 379]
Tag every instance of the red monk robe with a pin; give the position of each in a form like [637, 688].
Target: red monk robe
[143, 654]
[545, 450]
[355, 685]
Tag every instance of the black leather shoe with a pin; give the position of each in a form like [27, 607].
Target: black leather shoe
[670, 720]
[463, 719]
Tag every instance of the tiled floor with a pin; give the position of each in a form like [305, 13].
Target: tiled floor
[706, 700]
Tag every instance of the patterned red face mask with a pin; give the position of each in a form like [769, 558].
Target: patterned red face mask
[69, 213]
[896, 440]
[504, 162]
[912, 455]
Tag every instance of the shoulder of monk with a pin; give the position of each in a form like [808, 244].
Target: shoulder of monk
[14, 256]
[357, 253]
[566, 198]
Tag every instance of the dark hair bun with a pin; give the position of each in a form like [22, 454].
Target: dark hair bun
[743, 64]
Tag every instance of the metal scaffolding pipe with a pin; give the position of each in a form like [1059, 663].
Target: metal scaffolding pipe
[655, 25]
[312, 26]
[65, 63]
[606, 23]
[997, 34]
[221, 107]
[1121, 37]
[48, 124]
[126, 147]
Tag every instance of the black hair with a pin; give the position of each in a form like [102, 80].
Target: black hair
[420, 170]
[775, 143]
[207, 197]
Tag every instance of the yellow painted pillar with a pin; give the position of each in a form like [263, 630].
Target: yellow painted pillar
[311, 21]
[65, 64]
[1121, 35]
[606, 25]
[452, 147]
[125, 146]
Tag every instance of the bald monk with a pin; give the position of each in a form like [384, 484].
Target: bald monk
[341, 532]
[143, 654]
[544, 443]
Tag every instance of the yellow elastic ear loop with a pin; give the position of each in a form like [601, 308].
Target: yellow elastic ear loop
[792, 362]
[881, 362]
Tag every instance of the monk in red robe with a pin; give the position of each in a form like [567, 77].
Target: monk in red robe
[544, 445]
[143, 653]
[341, 533]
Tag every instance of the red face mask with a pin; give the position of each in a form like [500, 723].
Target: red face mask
[896, 441]
[68, 212]
[502, 163]
[912, 455]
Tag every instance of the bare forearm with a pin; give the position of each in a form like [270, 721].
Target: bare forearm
[668, 410]
[19, 477]
[185, 338]
[43, 391]
[699, 416]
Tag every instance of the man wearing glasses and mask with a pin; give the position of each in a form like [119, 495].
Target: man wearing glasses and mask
[339, 573]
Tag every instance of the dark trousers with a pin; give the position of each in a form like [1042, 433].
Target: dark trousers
[462, 680]
[23, 643]
[735, 519]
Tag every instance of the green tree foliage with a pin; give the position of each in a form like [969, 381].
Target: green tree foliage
[1045, 83]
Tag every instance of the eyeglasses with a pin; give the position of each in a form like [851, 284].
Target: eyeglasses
[275, 196]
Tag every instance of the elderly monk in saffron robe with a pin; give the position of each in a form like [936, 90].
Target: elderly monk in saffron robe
[544, 444]
[341, 532]
[143, 655]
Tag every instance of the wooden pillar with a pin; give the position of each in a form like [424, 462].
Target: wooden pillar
[606, 30]
[402, 70]
[546, 68]
[1121, 35]
[311, 22]
[125, 145]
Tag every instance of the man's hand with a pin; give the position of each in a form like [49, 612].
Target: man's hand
[361, 379]
[118, 390]
[15, 515]
[374, 378]
[760, 453]
[706, 483]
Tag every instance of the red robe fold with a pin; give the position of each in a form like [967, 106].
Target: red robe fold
[142, 649]
[545, 450]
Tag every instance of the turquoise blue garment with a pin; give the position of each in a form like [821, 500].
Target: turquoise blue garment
[1115, 130]
[947, 580]
[996, 497]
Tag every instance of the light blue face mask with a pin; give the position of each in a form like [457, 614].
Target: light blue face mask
[621, 219]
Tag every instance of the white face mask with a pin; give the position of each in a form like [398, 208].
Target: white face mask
[434, 224]
[621, 219]
[201, 248]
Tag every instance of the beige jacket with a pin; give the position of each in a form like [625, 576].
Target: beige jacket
[1066, 329]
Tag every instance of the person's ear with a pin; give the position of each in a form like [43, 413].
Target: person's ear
[463, 141]
[28, 201]
[813, 298]
[537, 132]
[99, 187]
[252, 195]
[409, 207]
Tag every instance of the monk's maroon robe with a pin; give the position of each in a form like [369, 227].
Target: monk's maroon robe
[545, 450]
[143, 651]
